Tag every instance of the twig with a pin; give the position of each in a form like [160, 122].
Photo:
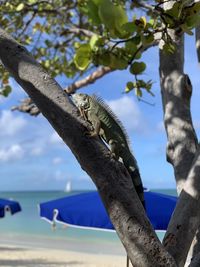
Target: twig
[88, 79]
[77, 30]
[27, 24]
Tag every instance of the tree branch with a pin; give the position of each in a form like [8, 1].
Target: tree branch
[182, 146]
[28, 106]
[195, 261]
[76, 30]
[197, 35]
[91, 78]
[185, 219]
[176, 92]
[146, 6]
[110, 176]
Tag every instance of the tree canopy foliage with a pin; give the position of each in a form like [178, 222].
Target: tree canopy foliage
[71, 38]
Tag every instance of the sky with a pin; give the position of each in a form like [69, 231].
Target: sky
[33, 157]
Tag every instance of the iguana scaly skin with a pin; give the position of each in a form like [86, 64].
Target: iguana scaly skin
[109, 128]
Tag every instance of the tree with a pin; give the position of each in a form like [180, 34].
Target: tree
[111, 40]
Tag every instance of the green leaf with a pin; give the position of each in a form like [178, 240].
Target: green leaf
[129, 87]
[137, 67]
[192, 21]
[140, 23]
[107, 14]
[131, 47]
[92, 11]
[83, 57]
[129, 27]
[113, 17]
[175, 10]
[103, 59]
[138, 92]
[32, 1]
[136, 39]
[93, 40]
[144, 21]
[148, 39]
[193, 9]
[47, 63]
[185, 29]
[117, 63]
[152, 22]
[6, 90]
[169, 48]
[37, 27]
[20, 7]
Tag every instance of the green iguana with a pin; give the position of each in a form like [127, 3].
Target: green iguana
[106, 125]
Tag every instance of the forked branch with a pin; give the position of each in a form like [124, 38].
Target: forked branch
[29, 107]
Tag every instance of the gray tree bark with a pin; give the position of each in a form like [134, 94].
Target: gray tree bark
[195, 247]
[194, 252]
[182, 151]
[195, 261]
[197, 35]
[110, 177]
[28, 106]
[176, 90]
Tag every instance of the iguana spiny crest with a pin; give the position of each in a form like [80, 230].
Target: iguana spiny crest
[106, 125]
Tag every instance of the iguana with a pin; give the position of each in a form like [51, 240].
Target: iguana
[106, 125]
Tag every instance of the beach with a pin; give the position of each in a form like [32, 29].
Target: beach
[31, 257]
[27, 241]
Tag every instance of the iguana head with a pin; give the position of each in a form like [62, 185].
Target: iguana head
[81, 100]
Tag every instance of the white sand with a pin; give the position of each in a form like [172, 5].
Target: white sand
[30, 257]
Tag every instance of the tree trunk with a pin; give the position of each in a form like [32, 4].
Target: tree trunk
[176, 90]
[195, 261]
[195, 246]
[111, 178]
[182, 145]
[197, 35]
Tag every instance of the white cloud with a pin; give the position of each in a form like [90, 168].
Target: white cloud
[10, 124]
[15, 152]
[128, 112]
[36, 151]
[57, 160]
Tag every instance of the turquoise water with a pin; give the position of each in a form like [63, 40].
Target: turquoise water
[26, 227]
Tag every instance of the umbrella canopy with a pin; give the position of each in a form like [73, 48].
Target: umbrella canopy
[86, 210]
[8, 205]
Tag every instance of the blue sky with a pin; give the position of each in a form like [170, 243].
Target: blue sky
[33, 157]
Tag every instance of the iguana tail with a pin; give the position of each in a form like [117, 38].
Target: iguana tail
[132, 167]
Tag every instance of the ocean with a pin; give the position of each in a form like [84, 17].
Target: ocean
[27, 229]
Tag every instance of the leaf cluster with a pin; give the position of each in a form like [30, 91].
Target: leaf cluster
[70, 37]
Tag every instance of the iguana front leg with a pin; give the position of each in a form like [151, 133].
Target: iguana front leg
[114, 148]
[96, 124]
[83, 113]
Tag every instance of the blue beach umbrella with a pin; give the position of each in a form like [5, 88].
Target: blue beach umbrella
[8, 205]
[86, 210]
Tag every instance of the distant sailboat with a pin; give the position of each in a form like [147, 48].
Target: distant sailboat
[68, 187]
